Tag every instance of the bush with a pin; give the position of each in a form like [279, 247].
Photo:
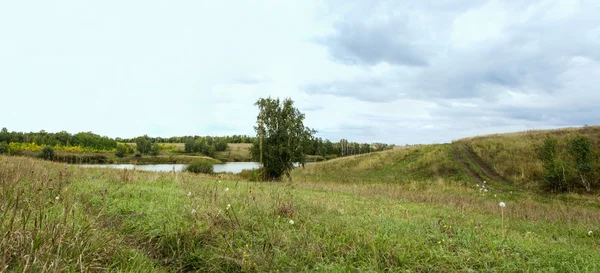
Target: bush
[121, 151]
[47, 153]
[155, 149]
[3, 147]
[200, 166]
[553, 175]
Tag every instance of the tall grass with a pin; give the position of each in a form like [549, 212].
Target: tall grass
[127, 220]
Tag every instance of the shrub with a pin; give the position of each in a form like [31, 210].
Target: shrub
[47, 153]
[3, 147]
[121, 151]
[553, 176]
[581, 151]
[200, 166]
[154, 149]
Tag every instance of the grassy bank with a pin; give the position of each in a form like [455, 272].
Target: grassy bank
[65, 218]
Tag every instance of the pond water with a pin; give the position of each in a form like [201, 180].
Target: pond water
[233, 167]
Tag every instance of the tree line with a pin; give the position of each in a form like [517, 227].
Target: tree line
[146, 145]
[185, 139]
[62, 138]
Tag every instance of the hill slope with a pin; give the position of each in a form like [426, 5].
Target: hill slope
[402, 164]
[514, 156]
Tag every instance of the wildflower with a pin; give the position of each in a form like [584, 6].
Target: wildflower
[483, 182]
[484, 190]
[291, 222]
[480, 189]
[228, 206]
[502, 204]
[189, 193]
[193, 211]
[219, 181]
[494, 195]
[57, 198]
[226, 189]
[477, 185]
[590, 233]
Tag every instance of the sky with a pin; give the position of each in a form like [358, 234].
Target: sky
[401, 72]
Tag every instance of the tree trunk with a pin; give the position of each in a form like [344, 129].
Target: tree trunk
[287, 173]
[585, 184]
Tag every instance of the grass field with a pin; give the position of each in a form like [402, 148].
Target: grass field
[410, 209]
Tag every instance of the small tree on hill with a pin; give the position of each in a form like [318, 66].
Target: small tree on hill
[553, 173]
[284, 136]
[581, 151]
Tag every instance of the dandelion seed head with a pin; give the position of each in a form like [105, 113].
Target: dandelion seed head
[226, 189]
[291, 222]
[590, 233]
[193, 211]
[57, 198]
[502, 204]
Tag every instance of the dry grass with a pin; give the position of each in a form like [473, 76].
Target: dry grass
[514, 155]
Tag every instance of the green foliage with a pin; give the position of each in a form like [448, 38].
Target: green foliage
[553, 172]
[154, 149]
[285, 138]
[581, 151]
[143, 145]
[206, 145]
[200, 166]
[121, 151]
[3, 147]
[47, 153]
[89, 139]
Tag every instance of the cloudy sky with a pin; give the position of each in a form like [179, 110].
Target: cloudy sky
[371, 71]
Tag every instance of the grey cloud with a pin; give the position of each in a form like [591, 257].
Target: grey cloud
[528, 56]
[359, 44]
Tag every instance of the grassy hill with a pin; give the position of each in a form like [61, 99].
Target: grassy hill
[422, 208]
[514, 156]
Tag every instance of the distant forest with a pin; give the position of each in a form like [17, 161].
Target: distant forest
[206, 145]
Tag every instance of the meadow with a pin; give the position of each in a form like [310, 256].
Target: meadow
[413, 209]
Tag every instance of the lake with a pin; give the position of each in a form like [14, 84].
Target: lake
[233, 167]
